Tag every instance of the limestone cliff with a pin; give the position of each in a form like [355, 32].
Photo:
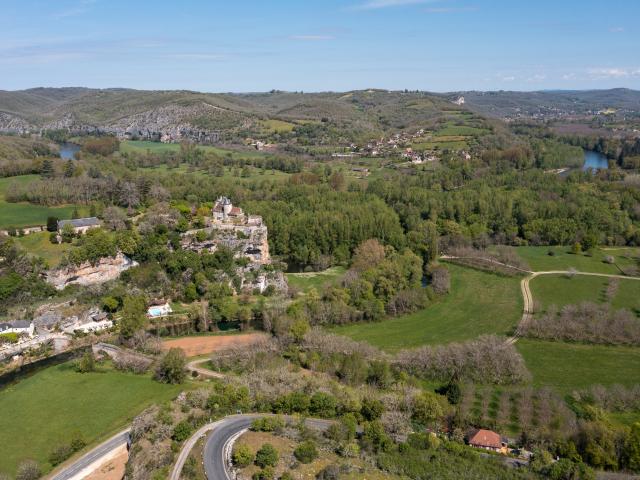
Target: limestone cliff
[106, 269]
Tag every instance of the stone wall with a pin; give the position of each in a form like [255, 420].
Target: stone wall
[87, 273]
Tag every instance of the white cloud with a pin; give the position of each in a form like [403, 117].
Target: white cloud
[568, 76]
[538, 77]
[317, 38]
[378, 4]
[619, 72]
[616, 29]
[508, 78]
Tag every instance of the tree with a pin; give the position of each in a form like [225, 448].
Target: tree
[114, 218]
[171, 368]
[182, 431]
[47, 170]
[632, 448]
[427, 408]
[52, 224]
[367, 255]
[87, 363]
[372, 409]
[69, 169]
[267, 456]
[67, 233]
[242, 456]
[28, 470]
[133, 316]
[306, 452]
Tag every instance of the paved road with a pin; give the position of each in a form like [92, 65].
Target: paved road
[75, 469]
[221, 436]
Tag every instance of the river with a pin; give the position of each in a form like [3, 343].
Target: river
[68, 150]
[594, 161]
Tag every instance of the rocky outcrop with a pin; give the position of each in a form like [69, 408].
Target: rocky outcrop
[104, 270]
[12, 124]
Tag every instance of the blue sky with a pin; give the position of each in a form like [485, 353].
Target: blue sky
[318, 45]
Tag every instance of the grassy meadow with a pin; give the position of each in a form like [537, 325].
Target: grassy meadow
[141, 146]
[25, 214]
[40, 412]
[318, 280]
[568, 366]
[38, 244]
[560, 290]
[479, 303]
[539, 259]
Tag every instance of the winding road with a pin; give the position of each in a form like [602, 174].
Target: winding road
[90, 460]
[221, 437]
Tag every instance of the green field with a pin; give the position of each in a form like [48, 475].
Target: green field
[141, 146]
[539, 259]
[40, 412]
[560, 290]
[566, 366]
[38, 244]
[26, 214]
[479, 303]
[317, 280]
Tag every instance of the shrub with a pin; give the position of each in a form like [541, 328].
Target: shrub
[28, 470]
[372, 409]
[242, 456]
[306, 452]
[330, 472]
[266, 473]
[322, 405]
[87, 363]
[171, 368]
[267, 456]
[267, 424]
[182, 431]
[60, 454]
[9, 338]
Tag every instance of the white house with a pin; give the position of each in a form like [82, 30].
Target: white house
[156, 311]
[90, 327]
[80, 225]
[21, 327]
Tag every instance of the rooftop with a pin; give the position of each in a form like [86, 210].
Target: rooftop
[79, 222]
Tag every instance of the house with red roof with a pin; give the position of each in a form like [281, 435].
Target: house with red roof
[487, 440]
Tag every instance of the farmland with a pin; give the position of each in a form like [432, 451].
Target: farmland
[38, 244]
[539, 259]
[40, 412]
[25, 214]
[317, 280]
[479, 303]
[561, 290]
[565, 366]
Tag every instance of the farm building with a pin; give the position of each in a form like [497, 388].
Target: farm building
[487, 440]
[80, 225]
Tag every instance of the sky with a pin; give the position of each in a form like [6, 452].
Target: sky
[320, 45]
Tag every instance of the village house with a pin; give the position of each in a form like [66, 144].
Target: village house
[80, 225]
[159, 308]
[488, 440]
[89, 327]
[21, 327]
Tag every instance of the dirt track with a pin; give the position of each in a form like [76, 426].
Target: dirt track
[202, 345]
